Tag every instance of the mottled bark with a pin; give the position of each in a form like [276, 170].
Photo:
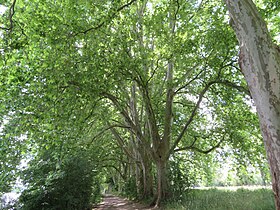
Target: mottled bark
[144, 178]
[162, 146]
[162, 182]
[260, 64]
[147, 178]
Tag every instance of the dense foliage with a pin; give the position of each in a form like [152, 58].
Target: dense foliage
[135, 92]
[71, 185]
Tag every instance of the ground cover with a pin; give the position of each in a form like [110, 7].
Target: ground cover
[225, 199]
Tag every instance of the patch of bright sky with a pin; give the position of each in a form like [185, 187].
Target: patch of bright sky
[150, 7]
[2, 9]
[2, 125]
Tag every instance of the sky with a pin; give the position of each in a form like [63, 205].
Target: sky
[2, 9]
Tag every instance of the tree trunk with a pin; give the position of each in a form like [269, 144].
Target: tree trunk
[259, 60]
[149, 192]
[162, 181]
[147, 178]
[162, 146]
[138, 173]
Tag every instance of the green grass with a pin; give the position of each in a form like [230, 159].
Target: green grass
[214, 199]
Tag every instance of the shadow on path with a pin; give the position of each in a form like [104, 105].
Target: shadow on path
[115, 202]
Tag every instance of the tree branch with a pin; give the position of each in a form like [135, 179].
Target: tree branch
[192, 147]
[191, 118]
[106, 129]
[231, 84]
[103, 22]
[133, 127]
[116, 168]
[189, 82]
[121, 143]
[196, 12]
[11, 14]
[117, 104]
[201, 95]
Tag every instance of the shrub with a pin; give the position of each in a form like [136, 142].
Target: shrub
[69, 187]
[130, 188]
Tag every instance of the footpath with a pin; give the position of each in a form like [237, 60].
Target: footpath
[115, 202]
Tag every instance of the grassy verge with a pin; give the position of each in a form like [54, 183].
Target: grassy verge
[214, 199]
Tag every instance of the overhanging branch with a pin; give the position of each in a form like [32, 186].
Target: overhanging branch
[121, 143]
[108, 128]
[119, 107]
[109, 19]
[191, 118]
[189, 82]
[201, 95]
[11, 14]
[192, 147]
[233, 85]
[116, 168]
[131, 125]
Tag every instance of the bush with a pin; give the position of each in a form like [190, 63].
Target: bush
[181, 179]
[130, 188]
[69, 187]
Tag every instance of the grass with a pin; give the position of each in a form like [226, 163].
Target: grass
[216, 199]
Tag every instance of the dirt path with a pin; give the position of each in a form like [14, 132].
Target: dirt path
[114, 202]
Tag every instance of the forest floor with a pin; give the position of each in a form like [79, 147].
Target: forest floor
[114, 202]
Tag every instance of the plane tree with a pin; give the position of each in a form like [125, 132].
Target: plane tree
[151, 73]
[259, 59]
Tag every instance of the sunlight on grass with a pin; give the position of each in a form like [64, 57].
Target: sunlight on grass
[214, 199]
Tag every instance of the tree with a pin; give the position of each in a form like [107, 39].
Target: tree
[259, 60]
[153, 76]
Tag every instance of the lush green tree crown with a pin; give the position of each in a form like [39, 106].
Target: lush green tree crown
[67, 73]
